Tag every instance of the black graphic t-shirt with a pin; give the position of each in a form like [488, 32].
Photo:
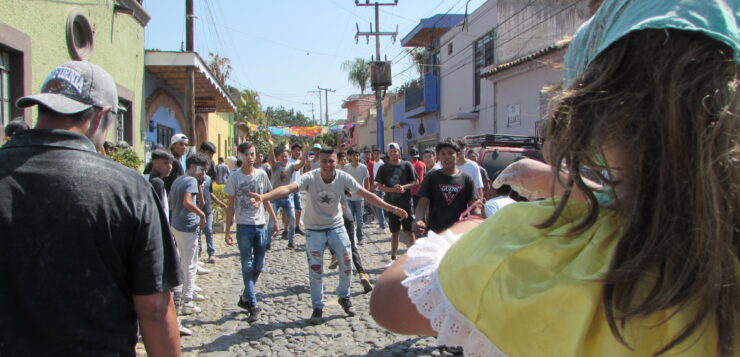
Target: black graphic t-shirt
[391, 175]
[448, 198]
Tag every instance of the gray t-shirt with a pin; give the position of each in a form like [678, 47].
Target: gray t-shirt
[182, 219]
[281, 174]
[359, 173]
[323, 209]
[239, 185]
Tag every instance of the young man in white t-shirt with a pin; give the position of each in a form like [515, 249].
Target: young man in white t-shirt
[325, 226]
[471, 168]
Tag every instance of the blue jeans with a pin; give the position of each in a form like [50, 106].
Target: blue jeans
[338, 241]
[251, 242]
[286, 203]
[296, 196]
[358, 210]
[379, 213]
[208, 230]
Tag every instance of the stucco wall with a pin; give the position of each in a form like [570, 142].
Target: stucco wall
[219, 128]
[118, 45]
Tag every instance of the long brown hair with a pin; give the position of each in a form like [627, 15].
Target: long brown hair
[667, 101]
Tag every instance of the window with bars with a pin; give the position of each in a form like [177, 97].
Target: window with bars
[164, 133]
[5, 102]
[483, 58]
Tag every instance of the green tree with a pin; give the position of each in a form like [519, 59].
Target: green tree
[279, 116]
[358, 73]
[249, 107]
[419, 57]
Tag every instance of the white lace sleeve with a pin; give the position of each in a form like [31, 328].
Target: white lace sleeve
[422, 282]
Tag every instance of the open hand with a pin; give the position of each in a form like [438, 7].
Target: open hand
[401, 213]
[229, 240]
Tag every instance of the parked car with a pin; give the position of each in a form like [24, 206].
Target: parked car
[495, 152]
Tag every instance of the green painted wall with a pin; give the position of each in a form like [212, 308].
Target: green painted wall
[118, 45]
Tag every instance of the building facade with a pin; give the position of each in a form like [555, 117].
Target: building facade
[357, 106]
[36, 36]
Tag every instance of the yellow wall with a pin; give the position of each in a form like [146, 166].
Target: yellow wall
[220, 133]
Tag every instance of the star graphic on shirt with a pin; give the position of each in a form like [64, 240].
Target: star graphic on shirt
[325, 199]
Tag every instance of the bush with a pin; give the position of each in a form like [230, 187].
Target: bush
[125, 157]
[219, 213]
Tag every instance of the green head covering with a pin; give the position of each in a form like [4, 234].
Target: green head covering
[717, 19]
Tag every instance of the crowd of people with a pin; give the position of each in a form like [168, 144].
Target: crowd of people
[628, 244]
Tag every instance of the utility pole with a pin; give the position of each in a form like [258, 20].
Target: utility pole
[326, 98]
[313, 115]
[380, 136]
[190, 75]
[320, 110]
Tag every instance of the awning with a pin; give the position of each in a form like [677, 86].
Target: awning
[429, 29]
[171, 68]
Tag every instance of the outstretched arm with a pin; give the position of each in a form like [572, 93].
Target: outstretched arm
[377, 202]
[279, 192]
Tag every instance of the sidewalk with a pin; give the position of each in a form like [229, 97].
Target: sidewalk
[221, 329]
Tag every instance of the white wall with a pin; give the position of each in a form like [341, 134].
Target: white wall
[457, 72]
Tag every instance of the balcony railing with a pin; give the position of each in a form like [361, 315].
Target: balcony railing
[423, 99]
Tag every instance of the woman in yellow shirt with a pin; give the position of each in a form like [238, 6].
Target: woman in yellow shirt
[645, 265]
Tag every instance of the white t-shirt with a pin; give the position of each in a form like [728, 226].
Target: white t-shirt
[495, 204]
[240, 185]
[360, 174]
[323, 209]
[472, 169]
[295, 173]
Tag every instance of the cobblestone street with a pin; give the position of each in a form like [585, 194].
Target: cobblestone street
[221, 328]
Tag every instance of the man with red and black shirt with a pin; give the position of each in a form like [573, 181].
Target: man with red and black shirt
[445, 194]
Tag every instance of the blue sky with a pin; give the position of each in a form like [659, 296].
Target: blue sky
[285, 48]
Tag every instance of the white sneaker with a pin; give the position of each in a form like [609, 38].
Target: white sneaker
[202, 271]
[200, 264]
[190, 308]
[197, 289]
[184, 331]
[198, 297]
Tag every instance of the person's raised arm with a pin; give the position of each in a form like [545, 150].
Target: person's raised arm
[279, 192]
[158, 324]
[302, 161]
[271, 152]
[229, 220]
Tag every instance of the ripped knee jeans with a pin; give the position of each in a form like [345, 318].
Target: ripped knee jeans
[316, 242]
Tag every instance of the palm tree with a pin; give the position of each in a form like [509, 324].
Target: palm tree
[219, 66]
[249, 108]
[358, 72]
[419, 57]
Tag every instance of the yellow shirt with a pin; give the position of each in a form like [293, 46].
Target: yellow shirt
[536, 292]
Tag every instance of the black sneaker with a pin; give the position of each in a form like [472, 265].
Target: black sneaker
[285, 235]
[244, 304]
[254, 314]
[299, 231]
[347, 306]
[316, 318]
[291, 245]
[268, 246]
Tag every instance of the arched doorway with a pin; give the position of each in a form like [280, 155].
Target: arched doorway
[201, 131]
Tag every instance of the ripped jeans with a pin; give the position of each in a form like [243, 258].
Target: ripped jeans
[316, 242]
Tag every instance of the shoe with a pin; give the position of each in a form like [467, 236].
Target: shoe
[190, 308]
[366, 284]
[347, 306]
[202, 271]
[268, 246]
[285, 235]
[299, 231]
[200, 264]
[360, 242]
[211, 259]
[184, 331]
[334, 263]
[291, 245]
[254, 314]
[393, 257]
[198, 297]
[197, 289]
[316, 318]
[244, 304]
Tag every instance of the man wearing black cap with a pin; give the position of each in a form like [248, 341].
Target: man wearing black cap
[86, 251]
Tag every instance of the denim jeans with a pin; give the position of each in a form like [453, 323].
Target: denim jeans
[286, 203]
[358, 210]
[251, 242]
[208, 230]
[349, 226]
[379, 213]
[316, 243]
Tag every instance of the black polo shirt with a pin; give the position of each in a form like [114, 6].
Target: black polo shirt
[79, 236]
